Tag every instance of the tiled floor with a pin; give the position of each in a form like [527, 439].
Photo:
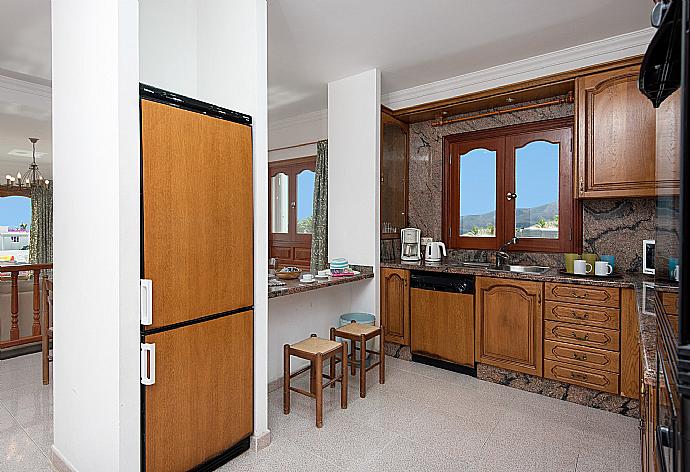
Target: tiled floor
[427, 419]
[26, 416]
[422, 419]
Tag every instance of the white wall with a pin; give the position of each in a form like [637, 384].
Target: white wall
[225, 47]
[96, 132]
[295, 130]
[294, 317]
[354, 108]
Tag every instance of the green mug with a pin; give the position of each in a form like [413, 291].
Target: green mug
[569, 259]
[591, 259]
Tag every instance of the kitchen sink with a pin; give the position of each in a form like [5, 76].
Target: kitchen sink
[521, 268]
[482, 265]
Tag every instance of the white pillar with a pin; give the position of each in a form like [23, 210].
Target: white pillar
[96, 242]
[354, 115]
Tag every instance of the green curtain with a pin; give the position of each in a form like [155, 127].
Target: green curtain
[41, 244]
[319, 238]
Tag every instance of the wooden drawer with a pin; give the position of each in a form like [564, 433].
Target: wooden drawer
[670, 302]
[583, 314]
[586, 357]
[583, 335]
[588, 294]
[603, 381]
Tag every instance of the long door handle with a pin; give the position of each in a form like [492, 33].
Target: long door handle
[145, 302]
[148, 363]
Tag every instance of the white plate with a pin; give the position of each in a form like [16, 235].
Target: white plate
[307, 281]
[325, 276]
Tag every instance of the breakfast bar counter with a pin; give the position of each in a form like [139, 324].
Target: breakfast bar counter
[295, 286]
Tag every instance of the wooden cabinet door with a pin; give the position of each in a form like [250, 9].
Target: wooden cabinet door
[442, 325]
[668, 145]
[616, 136]
[508, 324]
[395, 305]
[202, 401]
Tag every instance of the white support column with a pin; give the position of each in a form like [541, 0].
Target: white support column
[96, 242]
[354, 116]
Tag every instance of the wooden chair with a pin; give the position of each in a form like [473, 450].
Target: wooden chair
[46, 328]
[316, 351]
[361, 333]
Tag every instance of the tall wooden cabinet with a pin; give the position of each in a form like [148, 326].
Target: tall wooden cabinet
[395, 305]
[616, 136]
[395, 143]
[508, 324]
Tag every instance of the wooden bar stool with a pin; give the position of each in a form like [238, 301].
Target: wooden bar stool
[361, 333]
[315, 350]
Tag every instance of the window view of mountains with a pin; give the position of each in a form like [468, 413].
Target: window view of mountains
[543, 216]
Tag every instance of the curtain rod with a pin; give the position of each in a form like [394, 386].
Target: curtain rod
[568, 99]
[294, 145]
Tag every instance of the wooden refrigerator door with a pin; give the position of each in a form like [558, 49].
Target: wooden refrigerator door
[202, 400]
[197, 213]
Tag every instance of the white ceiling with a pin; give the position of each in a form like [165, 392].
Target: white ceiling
[413, 42]
[25, 65]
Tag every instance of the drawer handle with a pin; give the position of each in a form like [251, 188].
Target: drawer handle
[578, 376]
[577, 316]
[576, 295]
[581, 338]
[580, 357]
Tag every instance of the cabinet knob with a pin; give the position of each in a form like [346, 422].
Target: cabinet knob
[511, 196]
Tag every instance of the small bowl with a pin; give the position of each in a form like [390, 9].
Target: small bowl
[288, 275]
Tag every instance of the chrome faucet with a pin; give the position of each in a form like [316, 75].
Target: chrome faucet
[502, 255]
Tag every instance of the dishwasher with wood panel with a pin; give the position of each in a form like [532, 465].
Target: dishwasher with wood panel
[442, 318]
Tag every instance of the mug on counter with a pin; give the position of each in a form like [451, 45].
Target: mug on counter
[581, 267]
[590, 258]
[569, 259]
[602, 268]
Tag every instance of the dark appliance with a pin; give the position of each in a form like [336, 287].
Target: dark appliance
[442, 320]
[664, 70]
[197, 283]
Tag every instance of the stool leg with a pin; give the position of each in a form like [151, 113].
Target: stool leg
[319, 393]
[353, 357]
[286, 379]
[312, 378]
[362, 367]
[343, 377]
[382, 357]
[333, 361]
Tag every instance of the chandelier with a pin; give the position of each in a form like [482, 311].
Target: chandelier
[33, 177]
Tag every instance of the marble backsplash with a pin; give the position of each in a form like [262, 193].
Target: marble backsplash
[610, 226]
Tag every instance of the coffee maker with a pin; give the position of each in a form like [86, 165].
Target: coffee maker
[411, 239]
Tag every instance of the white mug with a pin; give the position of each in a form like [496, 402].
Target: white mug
[580, 267]
[602, 268]
[307, 277]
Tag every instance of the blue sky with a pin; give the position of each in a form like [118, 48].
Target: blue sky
[305, 194]
[15, 211]
[536, 178]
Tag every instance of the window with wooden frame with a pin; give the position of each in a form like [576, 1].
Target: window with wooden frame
[512, 181]
[291, 219]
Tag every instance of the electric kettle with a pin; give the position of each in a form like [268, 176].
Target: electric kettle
[433, 251]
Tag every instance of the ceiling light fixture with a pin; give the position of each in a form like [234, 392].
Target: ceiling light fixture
[33, 176]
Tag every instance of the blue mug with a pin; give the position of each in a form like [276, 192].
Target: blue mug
[610, 259]
[672, 263]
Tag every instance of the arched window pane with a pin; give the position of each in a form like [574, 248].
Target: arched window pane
[305, 202]
[279, 203]
[478, 193]
[536, 186]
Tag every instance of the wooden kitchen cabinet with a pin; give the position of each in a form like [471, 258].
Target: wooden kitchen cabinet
[395, 305]
[508, 324]
[616, 136]
[395, 151]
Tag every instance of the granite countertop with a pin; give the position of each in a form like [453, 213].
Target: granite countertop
[295, 286]
[647, 320]
[552, 275]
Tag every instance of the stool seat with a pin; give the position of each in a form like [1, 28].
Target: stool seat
[314, 345]
[357, 329]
